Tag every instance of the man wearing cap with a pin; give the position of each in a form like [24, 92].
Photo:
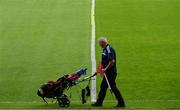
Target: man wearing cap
[109, 69]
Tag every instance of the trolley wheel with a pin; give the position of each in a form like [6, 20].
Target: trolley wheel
[64, 101]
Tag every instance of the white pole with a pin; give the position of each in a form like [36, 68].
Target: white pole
[93, 57]
[109, 86]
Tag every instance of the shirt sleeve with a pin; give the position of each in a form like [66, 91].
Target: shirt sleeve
[110, 53]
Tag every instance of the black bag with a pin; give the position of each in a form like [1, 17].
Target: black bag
[85, 93]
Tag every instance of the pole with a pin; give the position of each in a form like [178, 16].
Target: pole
[109, 86]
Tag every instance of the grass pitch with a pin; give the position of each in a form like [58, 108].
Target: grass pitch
[145, 34]
[40, 38]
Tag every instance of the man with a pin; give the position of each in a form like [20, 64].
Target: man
[109, 68]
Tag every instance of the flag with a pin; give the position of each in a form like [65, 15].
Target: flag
[99, 70]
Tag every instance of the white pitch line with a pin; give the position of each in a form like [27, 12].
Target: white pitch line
[39, 102]
[93, 56]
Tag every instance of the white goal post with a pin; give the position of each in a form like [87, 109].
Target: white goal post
[93, 54]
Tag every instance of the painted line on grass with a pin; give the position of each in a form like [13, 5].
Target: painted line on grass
[93, 53]
[39, 102]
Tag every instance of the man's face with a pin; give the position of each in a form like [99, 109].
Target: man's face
[102, 44]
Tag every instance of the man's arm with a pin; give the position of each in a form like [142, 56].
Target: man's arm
[111, 59]
[110, 64]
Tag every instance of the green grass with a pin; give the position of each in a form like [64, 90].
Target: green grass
[40, 38]
[145, 34]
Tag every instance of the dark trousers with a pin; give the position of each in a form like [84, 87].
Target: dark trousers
[104, 86]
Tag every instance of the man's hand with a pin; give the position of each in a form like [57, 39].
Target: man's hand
[103, 70]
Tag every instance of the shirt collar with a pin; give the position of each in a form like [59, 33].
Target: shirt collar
[105, 46]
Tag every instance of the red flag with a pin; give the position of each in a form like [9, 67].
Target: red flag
[99, 70]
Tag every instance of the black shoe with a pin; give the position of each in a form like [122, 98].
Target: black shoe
[96, 105]
[120, 105]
